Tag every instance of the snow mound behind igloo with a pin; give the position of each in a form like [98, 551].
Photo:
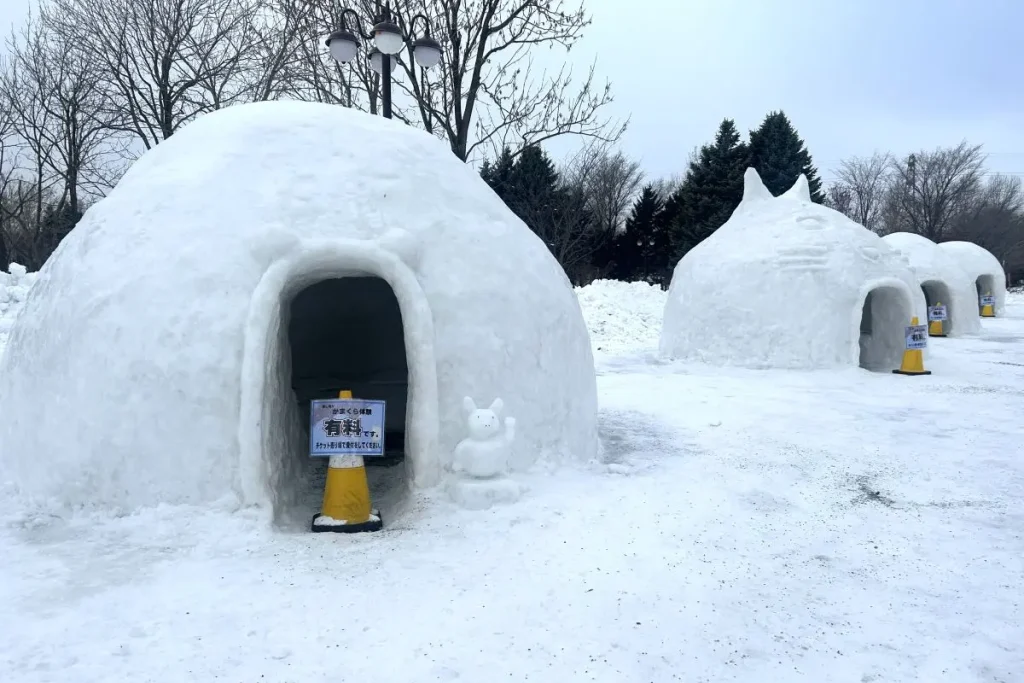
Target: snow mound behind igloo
[141, 371]
[14, 289]
[623, 317]
[783, 284]
[942, 278]
[983, 268]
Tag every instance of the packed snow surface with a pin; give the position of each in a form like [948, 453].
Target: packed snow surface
[157, 333]
[943, 280]
[14, 288]
[743, 525]
[982, 266]
[782, 284]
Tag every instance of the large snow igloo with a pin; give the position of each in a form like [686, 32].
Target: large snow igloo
[942, 280]
[787, 283]
[265, 255]
[983, 268]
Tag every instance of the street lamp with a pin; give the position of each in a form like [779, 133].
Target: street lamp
[387, 40]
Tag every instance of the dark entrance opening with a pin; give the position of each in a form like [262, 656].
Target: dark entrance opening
[985, 285]
[886, 313]
[935, 293]
[347, 333]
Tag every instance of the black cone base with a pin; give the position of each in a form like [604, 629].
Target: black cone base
[369, 525]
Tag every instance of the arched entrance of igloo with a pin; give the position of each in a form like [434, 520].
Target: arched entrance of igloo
[885, 313]
[347, 334]
[937, 292]
[312, 318]
[985, 285]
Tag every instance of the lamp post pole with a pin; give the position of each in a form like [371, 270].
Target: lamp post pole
[388, 41]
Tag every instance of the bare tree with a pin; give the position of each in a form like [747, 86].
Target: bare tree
[839, 197]
[866, 180]
[609, 180]
[68, 130]
[489, 92]
[995, 221]
[930, 190]
[162, 62]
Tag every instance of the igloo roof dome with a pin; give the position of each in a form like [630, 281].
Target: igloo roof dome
[981, 266]
[150, 363]
[782, 284]
[942, 278]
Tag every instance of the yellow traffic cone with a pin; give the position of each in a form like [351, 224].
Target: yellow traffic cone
[346, 507]
[988, 310]
[935, 326]
[913, 358]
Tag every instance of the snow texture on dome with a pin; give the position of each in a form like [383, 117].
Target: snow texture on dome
[942, 279]
[983, 268]
[151, 362]
[783, 283]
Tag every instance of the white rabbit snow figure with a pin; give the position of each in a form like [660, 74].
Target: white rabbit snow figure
[485, 453]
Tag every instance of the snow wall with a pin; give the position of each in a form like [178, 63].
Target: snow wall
[942, 279]
[14, 289]
[984, 270]
[783, 284]
[148, 365]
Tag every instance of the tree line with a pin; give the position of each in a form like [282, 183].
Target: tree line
[600, 217]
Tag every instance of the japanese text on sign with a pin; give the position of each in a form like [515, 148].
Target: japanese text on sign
[936, 313]
[917, 336]
[346, 426]
[988, 300]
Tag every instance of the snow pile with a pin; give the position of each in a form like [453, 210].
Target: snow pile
[983, 267]
[622, 317]
[783, 284]
[14, 287]
[942, 279]
[169, 305]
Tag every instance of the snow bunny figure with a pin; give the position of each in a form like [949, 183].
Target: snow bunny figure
[480, 462]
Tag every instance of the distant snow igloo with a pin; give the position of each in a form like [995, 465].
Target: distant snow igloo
[265, 255]
[983, 268]
[942, 280]
[787, 283]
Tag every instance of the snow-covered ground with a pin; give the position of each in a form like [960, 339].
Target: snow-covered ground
[747, 526]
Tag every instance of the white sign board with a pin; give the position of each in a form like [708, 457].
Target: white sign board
[936, 313]
[917, 336]
[988, 300]
[346, 426]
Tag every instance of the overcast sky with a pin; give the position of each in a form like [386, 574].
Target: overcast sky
[853, 75]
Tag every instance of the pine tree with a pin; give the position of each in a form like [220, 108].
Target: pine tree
[639, 251]
[498, 174]
[779, 156]
[711, 191]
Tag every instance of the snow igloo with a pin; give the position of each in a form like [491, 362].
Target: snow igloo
[983, 268]
[266, 255]
[942, 280]
[787, 283]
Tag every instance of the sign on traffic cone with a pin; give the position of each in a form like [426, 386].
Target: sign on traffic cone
[346, 506]
[913, 357]
[988, 306]
[936, 320]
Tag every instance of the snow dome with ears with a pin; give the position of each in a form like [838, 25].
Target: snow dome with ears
[788, 283]
[942, 280]
[152, 362]
[983, 268]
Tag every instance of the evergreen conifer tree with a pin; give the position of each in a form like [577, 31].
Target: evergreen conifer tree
[779, 156]
[641, 248]
[711, 191]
